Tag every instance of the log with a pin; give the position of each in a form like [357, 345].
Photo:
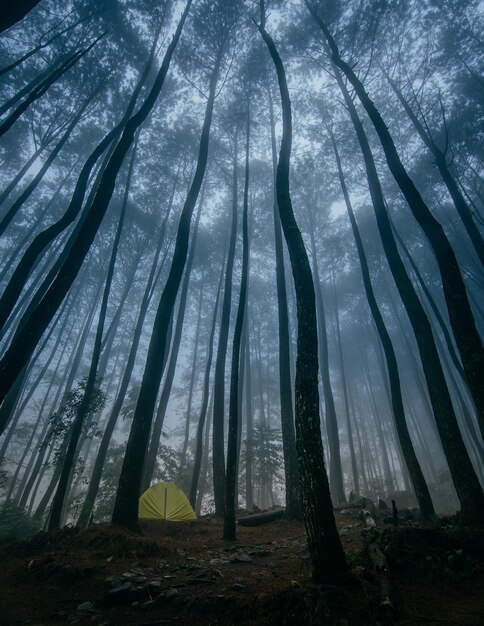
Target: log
[261, 518]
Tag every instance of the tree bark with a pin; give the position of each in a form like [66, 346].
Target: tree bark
[465, 480]
[460, 313]
[323, 539]
[229, 531]
[14, 12]
[32, 329]
[126, 503]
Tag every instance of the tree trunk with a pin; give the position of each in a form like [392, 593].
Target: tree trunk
[197, 463]
[323, 539]
[354, 466]
[229, 531]
[218, 443]
[449, 181]
[460, 313]
[466, 482]
[85, 404]
[335, 472]
[32, 329]
[95, 481]
[126, 503]
[17, 205]
[150, 460]
[13, 12]
[416, 474]
[293, 496]
[43, 86]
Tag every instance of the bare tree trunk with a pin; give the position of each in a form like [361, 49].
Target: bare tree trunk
[460, 313]
[323, 539]
[31, 329]
[13, 12]
[218, 443]
[199, 447]
[466, 482]
[229, 531]
[293, 496]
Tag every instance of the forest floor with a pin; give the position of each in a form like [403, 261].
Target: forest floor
[184, 573]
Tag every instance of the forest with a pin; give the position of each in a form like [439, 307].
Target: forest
[242, 253]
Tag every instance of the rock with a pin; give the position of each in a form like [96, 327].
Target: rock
[148, 604]
[181, 552]
[237, 586]
[154, 585]
[219, 561]
[241, 558]
[261, 553]
[125, 593]
[86, 606]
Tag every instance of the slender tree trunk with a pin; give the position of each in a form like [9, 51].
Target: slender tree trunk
[197, 463]
[19, 202]
[351, 445]
[449, 181]
[229, 531]
[218, 460]
[32, 329]
[193, 376]
[85, 404]
[293, 496]
[150, 460]
[323, 539]
[126, 503]
[43, 86]
[95, 481]
[13, 12]
[461, 318]
[466, 482]
[416, 474]
[40, 46]
[335, 471]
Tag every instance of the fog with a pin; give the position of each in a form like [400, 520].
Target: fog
[268, 293]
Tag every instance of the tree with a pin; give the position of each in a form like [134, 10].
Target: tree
[126, 504]
[13, 13]
[323, 539]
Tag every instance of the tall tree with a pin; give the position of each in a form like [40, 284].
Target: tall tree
[460, 313]
[31, 330]
[126, 504]
[236, 375]
[323, 539]
[13, 13]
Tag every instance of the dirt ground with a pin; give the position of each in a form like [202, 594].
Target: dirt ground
[184, 573]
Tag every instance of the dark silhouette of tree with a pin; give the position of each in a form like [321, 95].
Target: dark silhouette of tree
[31, 330]
[236, 375]
[323, 539]
[12, 13]
[126, 504]
[460, 313]
[465, 480]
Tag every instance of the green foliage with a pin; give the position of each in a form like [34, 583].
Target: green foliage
[15, 523]
[62, 419]
[173, 468]
[109, 483]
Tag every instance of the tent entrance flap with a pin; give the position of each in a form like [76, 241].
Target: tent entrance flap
[165, 501]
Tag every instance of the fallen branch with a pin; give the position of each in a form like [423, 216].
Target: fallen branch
[261, 518]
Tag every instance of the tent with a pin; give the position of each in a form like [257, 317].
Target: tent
[165, 501]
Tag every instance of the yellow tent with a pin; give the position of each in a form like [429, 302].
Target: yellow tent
[165, 501]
